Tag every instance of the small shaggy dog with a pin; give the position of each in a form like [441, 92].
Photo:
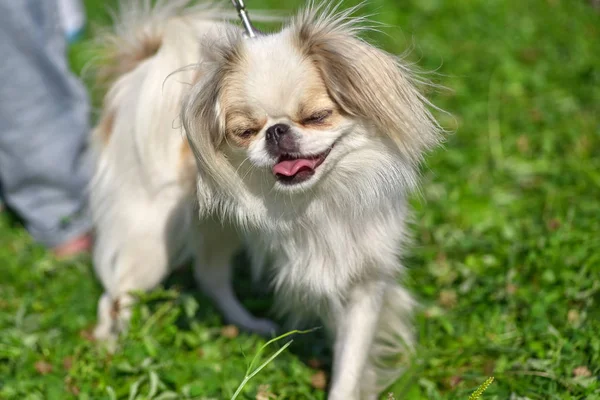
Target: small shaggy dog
[301, 145]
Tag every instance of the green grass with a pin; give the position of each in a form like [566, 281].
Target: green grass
[506, 261]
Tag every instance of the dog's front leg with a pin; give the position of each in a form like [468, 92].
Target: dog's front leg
[356, 323]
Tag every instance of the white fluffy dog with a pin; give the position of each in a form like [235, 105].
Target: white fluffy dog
[307, 142]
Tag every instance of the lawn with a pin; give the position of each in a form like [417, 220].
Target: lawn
[506, 261]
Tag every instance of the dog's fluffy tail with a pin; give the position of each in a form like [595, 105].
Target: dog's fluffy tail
[137, 33]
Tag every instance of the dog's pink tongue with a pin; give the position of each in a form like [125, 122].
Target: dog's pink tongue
[291, 167]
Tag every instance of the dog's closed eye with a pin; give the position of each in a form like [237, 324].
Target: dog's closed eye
[243, 126]
[317, 118]
[245, 133]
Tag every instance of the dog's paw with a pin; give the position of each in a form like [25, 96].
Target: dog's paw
[345, 389]
[103, 331]
[105, 337]
[337, 395]
[263, 327]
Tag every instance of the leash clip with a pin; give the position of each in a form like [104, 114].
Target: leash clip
[251, 31]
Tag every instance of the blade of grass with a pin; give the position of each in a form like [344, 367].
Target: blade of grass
[250, 374]
[258, 369]
[264, 346]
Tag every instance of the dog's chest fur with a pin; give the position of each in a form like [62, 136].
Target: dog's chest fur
[318, 256]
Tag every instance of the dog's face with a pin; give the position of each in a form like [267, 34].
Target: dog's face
[294, 106]
[279, 116]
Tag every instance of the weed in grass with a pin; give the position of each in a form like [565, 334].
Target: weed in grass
[479, 392]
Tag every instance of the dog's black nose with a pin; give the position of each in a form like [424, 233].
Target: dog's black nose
[275, 132]
[281, 139]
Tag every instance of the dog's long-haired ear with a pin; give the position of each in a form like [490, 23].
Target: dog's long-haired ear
[365, 81]
[201, 115]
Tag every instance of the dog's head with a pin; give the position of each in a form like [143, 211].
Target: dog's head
[292, 108]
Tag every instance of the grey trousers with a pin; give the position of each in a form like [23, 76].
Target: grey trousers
[44, 162]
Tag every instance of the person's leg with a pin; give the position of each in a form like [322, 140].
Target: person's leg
[44, 163]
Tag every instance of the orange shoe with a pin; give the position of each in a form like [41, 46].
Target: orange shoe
[80, 244]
